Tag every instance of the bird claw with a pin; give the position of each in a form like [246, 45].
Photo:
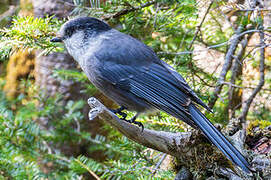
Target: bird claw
[119, 111]
[124, 115]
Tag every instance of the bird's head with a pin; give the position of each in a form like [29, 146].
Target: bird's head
[80, 35]
[86, 26]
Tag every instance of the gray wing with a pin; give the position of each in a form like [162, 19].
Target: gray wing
[149, 84]
[125, 56]
[182, 85]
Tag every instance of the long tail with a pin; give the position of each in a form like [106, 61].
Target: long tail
[218, 139]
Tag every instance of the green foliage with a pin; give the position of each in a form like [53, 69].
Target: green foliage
[30, 151]
[29, 32]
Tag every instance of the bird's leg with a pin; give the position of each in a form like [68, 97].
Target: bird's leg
[124, 115]
[119, 111]
[133, 121]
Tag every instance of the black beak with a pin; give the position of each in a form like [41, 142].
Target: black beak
[56, 39]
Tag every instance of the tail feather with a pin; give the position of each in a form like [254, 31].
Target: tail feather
[218, 139]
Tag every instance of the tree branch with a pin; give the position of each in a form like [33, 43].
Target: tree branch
[234, 96]
[10, 12]
[126, 11]
[191, 148]
[199, 26]
[167, 142]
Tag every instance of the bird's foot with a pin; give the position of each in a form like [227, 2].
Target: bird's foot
[124, 115]
[119, 111]
[133, 121]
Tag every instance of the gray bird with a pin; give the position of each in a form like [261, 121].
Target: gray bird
[131, 74]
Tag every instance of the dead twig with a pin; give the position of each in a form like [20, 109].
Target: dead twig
[199, 26]
[248, 102]
[10, 12]
[229, 42]
[242, 87]
[159, 164]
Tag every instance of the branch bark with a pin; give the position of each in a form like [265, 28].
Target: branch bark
[167, 142]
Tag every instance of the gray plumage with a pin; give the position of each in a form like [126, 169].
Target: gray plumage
[130, 73]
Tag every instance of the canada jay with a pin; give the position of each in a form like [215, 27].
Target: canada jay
[130, 73]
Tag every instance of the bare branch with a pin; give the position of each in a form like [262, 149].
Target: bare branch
[10, 12]
[159, 164]
[199, 26]
[167, 142]
[229, 42]
[245, 10]
[241, 87]
[261, 81]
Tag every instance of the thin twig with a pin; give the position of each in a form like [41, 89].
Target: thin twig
[159, 164]
[245, 10]
[155, 16]
[199, 26]
[77, 125]
[126, 11]
[243, 87]
[225, 17]
[48, 147]
[230, 41]
[10, 12]
[90, 172]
